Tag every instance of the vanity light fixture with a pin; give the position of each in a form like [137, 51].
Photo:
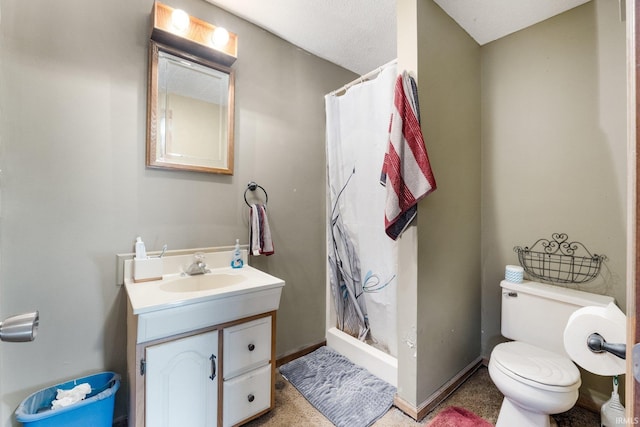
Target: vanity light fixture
[176, 29]
[180, 20]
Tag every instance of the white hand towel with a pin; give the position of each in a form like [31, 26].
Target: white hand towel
[261, 243]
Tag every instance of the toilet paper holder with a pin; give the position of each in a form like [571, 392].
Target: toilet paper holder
[598, 344]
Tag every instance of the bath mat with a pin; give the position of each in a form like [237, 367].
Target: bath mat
[347, 394]
[454, 416]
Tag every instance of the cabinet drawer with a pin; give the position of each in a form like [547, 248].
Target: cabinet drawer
[246, 346]
[246, 395]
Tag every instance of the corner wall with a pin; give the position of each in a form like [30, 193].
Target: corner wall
[447, 328]
[449, 219]
[554, 150]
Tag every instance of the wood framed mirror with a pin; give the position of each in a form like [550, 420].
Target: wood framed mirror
[190, 102]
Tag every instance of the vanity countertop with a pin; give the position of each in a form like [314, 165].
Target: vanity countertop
[146, 297]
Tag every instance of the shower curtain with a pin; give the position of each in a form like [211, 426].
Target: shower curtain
[362, 259]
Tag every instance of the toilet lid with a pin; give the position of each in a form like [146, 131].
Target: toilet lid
[535, 364]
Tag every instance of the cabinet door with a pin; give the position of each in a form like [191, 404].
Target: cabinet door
[181, 382]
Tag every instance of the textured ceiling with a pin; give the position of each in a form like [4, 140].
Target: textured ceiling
[360, 35]
[489, 20]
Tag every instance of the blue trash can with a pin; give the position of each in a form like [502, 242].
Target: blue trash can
[96, 410]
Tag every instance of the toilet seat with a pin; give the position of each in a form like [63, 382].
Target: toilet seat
[536, 367]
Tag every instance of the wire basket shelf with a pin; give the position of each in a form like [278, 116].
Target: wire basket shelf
[559, 261]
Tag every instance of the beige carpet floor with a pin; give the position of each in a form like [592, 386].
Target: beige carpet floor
[477, 394]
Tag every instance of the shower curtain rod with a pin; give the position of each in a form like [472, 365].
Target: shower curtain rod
[364, 77]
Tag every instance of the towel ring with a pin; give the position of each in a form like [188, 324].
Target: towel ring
[252, 186]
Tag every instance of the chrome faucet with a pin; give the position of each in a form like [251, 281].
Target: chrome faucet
[198, 266]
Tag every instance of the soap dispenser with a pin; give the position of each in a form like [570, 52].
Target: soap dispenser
[236, 260]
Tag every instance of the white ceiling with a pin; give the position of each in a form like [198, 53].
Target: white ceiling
[360, 35]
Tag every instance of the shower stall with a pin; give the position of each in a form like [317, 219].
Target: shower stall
[361, 259]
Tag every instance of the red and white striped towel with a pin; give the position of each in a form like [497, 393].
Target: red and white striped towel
[406, 171]
[261, 243]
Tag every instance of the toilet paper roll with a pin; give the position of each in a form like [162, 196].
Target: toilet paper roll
[513, 273]
[611, 324]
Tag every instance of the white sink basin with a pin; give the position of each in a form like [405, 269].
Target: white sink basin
[203, 282]
[179, 303]
[220, 284]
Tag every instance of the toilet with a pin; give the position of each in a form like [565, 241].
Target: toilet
[534, 371]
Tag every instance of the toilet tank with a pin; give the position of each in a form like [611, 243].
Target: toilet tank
[537, 313]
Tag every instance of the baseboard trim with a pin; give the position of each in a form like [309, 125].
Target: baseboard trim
[419, 412]
[591, 401]
[292, 356]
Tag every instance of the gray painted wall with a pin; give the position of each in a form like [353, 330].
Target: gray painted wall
[554, 149]
[449, 219]
[549, 105]
[75, 191]
[445, 322]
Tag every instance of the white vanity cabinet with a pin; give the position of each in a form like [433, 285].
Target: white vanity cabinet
[201, 349]
[219, 375]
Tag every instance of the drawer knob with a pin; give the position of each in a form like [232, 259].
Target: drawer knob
[251, 398]
[251, 347]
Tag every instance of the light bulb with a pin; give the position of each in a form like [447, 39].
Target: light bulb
[180, 19]
[220, 37]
